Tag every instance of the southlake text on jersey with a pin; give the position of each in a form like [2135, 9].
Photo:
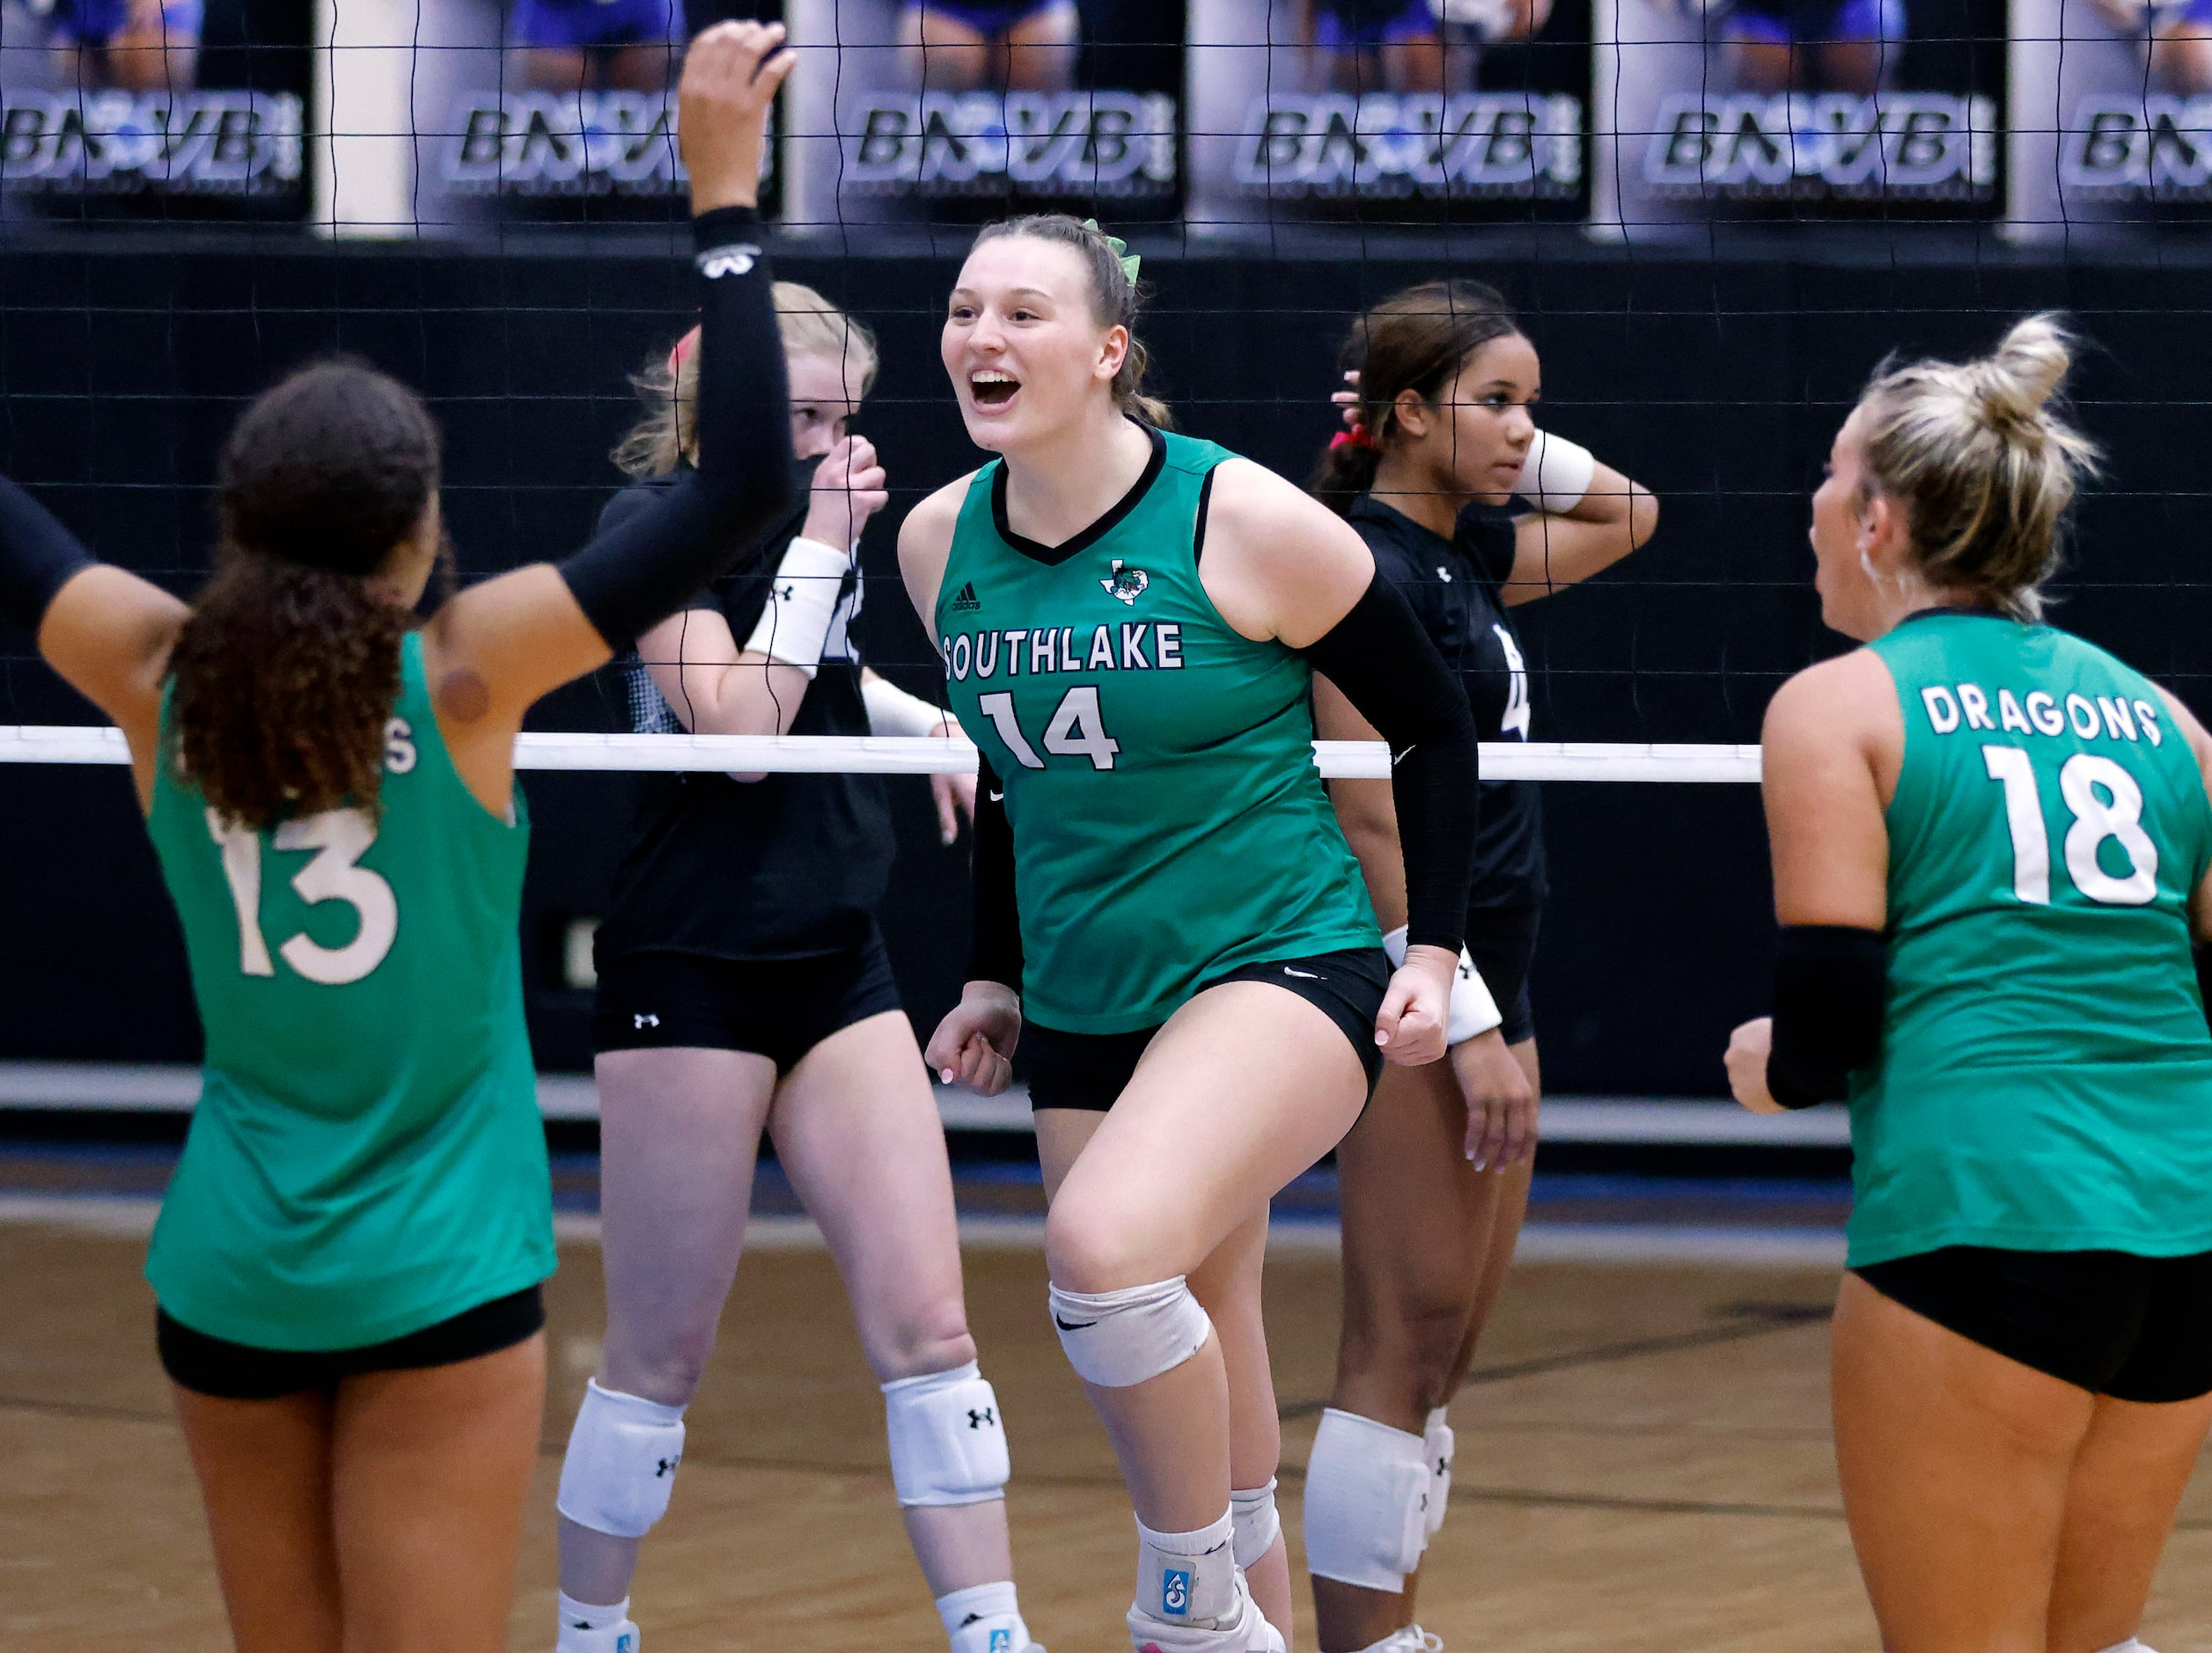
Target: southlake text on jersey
[1054, 649]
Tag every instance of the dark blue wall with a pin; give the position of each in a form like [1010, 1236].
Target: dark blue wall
[1717, 381]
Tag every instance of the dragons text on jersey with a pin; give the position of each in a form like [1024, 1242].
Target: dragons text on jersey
[2045, 1076]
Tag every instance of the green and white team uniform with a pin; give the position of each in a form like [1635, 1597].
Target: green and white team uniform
[1168, 823]
[367, 1157]
[2045, 1076]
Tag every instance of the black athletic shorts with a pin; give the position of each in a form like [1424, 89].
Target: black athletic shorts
[776, 1008]
[1502, 941]
[1089, 1070]
[2135, 1329]
[239, 1371]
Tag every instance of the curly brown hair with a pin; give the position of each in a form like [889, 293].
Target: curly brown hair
[284, 678]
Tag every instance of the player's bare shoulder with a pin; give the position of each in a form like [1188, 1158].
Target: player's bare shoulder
[1845, 705]
[1277, 561]
[925, 540]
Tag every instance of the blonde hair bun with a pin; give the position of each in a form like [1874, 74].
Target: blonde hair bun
[1982, 461]
[2026, 371]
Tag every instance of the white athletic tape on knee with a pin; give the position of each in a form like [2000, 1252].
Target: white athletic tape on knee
[2131, 1645]
[1557, 474]
[1437, 1441]
[1366, 1502]
[1188, 1578]
[1115, 1339]
[948, 1444]
[621, 1463]
[1252, 1515]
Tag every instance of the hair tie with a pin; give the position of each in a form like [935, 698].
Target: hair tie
[1130, 260]
[1355, 437]
[681, 353]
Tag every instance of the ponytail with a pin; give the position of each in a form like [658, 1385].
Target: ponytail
[1417, 340]
[284, 678]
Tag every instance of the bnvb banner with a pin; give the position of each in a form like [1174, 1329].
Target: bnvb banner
[555, 111]
[1797, 109]
[943, 110]
[2112, 113]
[162, 109]
[1421, 110]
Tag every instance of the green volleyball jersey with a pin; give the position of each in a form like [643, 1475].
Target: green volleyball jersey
[367, 1157]
[2045, 1076]
[1169, 825]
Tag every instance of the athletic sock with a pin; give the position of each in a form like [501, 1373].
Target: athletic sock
[984, 1619]
[1188, 1578]
[586, 1629]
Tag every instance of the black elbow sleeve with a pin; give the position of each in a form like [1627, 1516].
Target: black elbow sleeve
[1388, 668]
[38, 556]
[995, 948]
[1830, 990]
[641, 568]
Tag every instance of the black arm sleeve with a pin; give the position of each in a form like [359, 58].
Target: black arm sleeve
[2203, 954]
[646, 564]
[38, 556]
[1830, 985]
[995, 948]
[1388, 668]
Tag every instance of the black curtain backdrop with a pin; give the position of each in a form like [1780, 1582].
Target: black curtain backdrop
[1718, 382]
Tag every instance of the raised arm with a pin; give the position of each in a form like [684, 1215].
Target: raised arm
[107, 632]
[1564, 543]
[497, 647]
[718, 686]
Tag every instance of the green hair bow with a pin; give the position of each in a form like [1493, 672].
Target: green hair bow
[1130, 260]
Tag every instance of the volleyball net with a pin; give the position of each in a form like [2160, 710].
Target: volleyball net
[1712, 218]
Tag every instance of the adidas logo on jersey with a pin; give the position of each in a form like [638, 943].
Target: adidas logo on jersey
[964, 601]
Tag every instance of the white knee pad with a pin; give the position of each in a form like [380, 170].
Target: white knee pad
[1253, 1516]
[621, 1463]
[1366, 1502]
[1438, 1442]
[1115, 1339]
[948, 1444]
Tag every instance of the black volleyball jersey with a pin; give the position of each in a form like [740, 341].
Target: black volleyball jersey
[785, 867]
[1453, 584]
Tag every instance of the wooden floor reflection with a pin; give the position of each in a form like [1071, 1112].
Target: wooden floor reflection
[1643, 1464]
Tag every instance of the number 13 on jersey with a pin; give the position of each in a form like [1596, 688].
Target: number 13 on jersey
[340, 838]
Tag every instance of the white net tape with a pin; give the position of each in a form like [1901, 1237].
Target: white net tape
[888, 755]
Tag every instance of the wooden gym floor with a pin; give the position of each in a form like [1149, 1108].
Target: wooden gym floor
[1643, 1464]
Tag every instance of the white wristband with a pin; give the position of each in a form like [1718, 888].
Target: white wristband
[893, 711]
[1474, 1012]
[1557, 474]
[802, 605]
